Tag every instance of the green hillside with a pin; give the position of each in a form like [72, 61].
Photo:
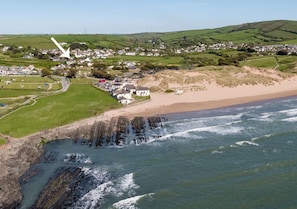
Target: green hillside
[268, 32]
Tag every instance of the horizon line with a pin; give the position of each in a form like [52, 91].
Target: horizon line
[135, 33]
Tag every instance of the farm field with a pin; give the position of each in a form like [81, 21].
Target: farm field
[282, 63]
[6, 60]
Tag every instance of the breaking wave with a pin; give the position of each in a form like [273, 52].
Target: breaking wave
[130, 203]
[123, 186]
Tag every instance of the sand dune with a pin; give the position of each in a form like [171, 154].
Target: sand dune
[210, 89]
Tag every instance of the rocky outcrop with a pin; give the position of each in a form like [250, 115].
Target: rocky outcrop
[16, 158]
[60, 191]
[19, 154]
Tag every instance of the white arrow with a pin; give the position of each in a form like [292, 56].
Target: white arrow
[66, 53]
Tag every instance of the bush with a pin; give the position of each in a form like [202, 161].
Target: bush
[282, 52]
[169, 91]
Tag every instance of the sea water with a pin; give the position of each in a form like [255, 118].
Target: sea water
[236, 157]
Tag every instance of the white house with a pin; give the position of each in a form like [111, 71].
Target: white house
[142, 91]
[122, 94]
[124, 100]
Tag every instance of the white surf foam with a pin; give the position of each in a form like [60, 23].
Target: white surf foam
[263, 118]
[290, 112]
[216, 152]
[242, 143]
[124, 185]
[99, 174]
[292, 119]
[224, 129]
[77, 158]
[130, 203]
[261, 137]
[204, 121]
[94, 197]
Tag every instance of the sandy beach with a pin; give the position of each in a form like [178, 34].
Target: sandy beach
[213, 97]
[210, 94]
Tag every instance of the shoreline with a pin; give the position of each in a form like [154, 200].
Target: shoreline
[209, 105]
[213, 98]
[20, 153]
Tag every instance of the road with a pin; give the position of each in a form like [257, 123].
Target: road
[65, 83]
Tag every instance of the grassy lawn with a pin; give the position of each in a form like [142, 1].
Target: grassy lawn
[2, 141]
[80, 101]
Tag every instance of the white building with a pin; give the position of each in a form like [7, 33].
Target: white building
[142, 91]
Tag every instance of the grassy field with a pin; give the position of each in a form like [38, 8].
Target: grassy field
[6, 60]
[80, 101]
[282, 63]
[166, 60]
[44, 41]
[261, 62]
[27, 85]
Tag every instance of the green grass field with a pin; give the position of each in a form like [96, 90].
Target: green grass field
[261, 62]
[25, 85]
[155, 60]
[282, 63]
[6, 60]
[80, 101]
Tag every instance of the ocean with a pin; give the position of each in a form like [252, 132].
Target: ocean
[242, 156]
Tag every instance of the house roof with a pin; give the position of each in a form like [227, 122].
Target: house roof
[129, 87]
[141, 88]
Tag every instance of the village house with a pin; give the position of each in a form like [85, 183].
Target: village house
[142, 91]
[123, 96]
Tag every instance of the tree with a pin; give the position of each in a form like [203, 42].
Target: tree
[71, 73]
[78, 46]
[102, 74]
[99, 65]
[45, 72]
[282, 52]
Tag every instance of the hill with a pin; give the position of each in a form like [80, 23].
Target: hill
[268, 32]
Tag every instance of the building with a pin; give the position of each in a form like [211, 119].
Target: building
[142, 91]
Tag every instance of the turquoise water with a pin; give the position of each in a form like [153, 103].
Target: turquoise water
[236, 157]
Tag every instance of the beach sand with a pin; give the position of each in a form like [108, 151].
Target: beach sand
[214, 97]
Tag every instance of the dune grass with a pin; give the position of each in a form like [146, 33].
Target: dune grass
[80, 101]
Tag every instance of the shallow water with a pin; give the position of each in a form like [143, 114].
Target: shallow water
[236, 157]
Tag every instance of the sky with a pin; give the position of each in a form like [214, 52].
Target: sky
[135, 16]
